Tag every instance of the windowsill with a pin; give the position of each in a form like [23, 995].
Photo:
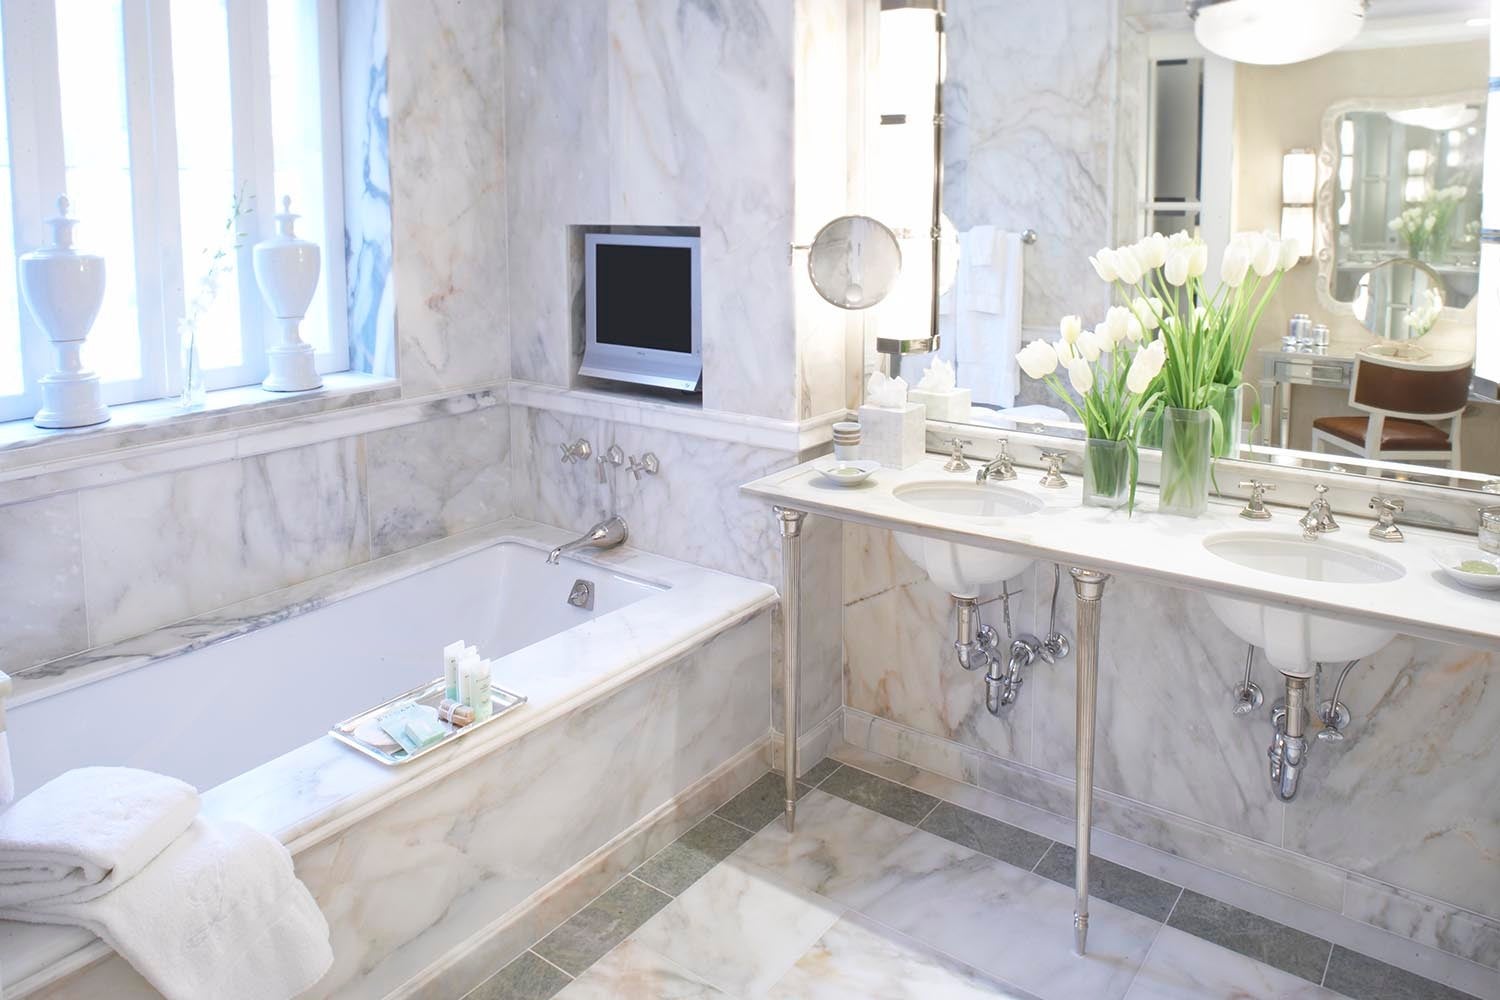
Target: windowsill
[23, 444]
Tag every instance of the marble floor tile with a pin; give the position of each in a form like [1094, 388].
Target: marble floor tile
[1183, 967]
[1254, 936]
[634, 972]
[820, 771]
[885, 797]
[761, 802]
[860, 960]
[594, 930]
[1016, 925]
[846, 852]
[739, 927]
[1359, 976]
[1136, 891]
[977, 832]
[693, 855]
[526, 978]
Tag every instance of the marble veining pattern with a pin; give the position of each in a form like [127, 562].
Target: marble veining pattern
[42, 590]
[251, 526]
[365, 59]
[435, 478]
[447, 123]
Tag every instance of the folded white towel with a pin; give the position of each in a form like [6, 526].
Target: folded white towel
[7, 775]
[219, 914]
[86, 831]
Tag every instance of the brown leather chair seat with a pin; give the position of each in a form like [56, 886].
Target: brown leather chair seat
[1398, 435]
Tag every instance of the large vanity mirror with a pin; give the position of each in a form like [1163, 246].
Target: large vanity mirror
[1370, 356]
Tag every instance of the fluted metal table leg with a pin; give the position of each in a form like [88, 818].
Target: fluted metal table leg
[1089, 586]
[791, 591]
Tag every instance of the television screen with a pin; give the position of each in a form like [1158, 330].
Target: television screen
[643, 297]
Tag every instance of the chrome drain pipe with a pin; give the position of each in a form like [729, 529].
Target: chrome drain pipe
[976, 642]
[1288, 750]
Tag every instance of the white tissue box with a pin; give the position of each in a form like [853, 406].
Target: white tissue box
[896, 439]
[947, 404]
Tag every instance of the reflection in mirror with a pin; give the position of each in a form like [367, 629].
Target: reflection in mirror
[1370, 157]
[854, 261]
[1399, 299]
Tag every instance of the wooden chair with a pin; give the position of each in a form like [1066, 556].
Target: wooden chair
[1406, 406]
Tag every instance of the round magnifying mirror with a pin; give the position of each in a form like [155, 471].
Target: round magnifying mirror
[854, 261]
[1399, 299]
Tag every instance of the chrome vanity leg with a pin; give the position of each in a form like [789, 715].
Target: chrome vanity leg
[1089, 586]
[791, 593]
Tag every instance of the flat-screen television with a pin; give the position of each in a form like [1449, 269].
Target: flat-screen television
[642, 310]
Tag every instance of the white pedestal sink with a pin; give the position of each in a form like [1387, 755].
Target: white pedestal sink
[963, 570]
[1294, 641]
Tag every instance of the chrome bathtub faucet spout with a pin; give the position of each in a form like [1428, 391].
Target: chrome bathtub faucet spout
[1319, 517]
[605, 535]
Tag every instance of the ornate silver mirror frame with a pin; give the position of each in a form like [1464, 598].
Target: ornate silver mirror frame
[1328, 171]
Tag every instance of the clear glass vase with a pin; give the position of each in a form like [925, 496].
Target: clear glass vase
[1108, 473]
[1228, 403]
[194, 393]
[1186, 456]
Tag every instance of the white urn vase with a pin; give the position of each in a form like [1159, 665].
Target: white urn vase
[64, 289]
[287, 268]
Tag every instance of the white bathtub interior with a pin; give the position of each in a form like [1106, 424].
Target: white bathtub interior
[213, 713]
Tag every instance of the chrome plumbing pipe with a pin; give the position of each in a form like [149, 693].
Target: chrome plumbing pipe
[1289, 750]
[790, 522]
[1088, 585]
[975, 642]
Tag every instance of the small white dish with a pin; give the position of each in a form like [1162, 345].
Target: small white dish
[848, 472]
[1450, 557]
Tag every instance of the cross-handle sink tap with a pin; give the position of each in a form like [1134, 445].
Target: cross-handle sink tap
[1386, 509]
[1000, 468]
[605, 535]
[1319, 517]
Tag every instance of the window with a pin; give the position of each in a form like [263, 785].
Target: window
[154, 116]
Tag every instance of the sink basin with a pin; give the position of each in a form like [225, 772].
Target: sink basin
[1294, 641]
[964, 570]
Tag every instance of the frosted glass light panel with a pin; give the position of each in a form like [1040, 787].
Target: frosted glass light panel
[96, 152]
[12, 376]
[297, 146]
[205, 177]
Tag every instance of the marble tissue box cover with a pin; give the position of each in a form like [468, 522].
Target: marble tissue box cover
[948, 404]
[896, 439]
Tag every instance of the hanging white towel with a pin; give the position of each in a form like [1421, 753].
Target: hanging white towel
[88, 830]
[219, 913]
[988, 320]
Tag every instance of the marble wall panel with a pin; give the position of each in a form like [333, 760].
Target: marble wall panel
[557, 169]
[431, 479]
[447, 124]
[162, 548]
[701, 134]
[41, 585]
[423, 876]
[364, 58]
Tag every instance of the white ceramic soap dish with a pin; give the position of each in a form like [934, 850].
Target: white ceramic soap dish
[847, 471]
[1453, 557]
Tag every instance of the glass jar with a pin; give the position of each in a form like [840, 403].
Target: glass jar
[1489, 529]
[1186, 456]
[1108, 473]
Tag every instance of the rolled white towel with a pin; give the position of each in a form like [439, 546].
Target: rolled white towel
[86, 831]
[219, 914]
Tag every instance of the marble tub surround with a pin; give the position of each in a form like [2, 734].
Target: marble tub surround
[703, 648]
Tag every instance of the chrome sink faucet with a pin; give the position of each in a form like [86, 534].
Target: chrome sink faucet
[1000, 468]
[1319, 517]
[605, 535]
[1386, 509]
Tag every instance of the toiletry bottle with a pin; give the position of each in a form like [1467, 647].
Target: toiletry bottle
[479, 690]
[452, 653]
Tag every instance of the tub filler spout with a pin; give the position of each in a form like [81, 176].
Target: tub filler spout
[605, 535]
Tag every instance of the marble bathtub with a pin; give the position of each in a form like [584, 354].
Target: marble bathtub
[659, 691]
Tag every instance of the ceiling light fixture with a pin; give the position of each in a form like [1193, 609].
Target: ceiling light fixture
[1275, 32]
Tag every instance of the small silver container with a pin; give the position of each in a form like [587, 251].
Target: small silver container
[1489, 529]
[1299, 329]
[1320, 335]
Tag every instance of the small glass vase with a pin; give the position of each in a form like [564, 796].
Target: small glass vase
[194, 393]
[1186, 454]
[1228, 402]
[1108, 473]
[1149, 433]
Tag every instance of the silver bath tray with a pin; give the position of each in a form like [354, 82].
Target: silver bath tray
[431, 693]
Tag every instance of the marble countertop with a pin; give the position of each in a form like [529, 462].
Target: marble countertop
[1165, 548]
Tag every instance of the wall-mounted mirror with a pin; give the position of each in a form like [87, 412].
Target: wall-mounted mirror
[1400, 179]
[1371, 157]
[854, 261]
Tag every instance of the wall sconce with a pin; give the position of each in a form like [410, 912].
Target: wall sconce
[1299, 180]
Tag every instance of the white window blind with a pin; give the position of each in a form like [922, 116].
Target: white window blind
[153, 116]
